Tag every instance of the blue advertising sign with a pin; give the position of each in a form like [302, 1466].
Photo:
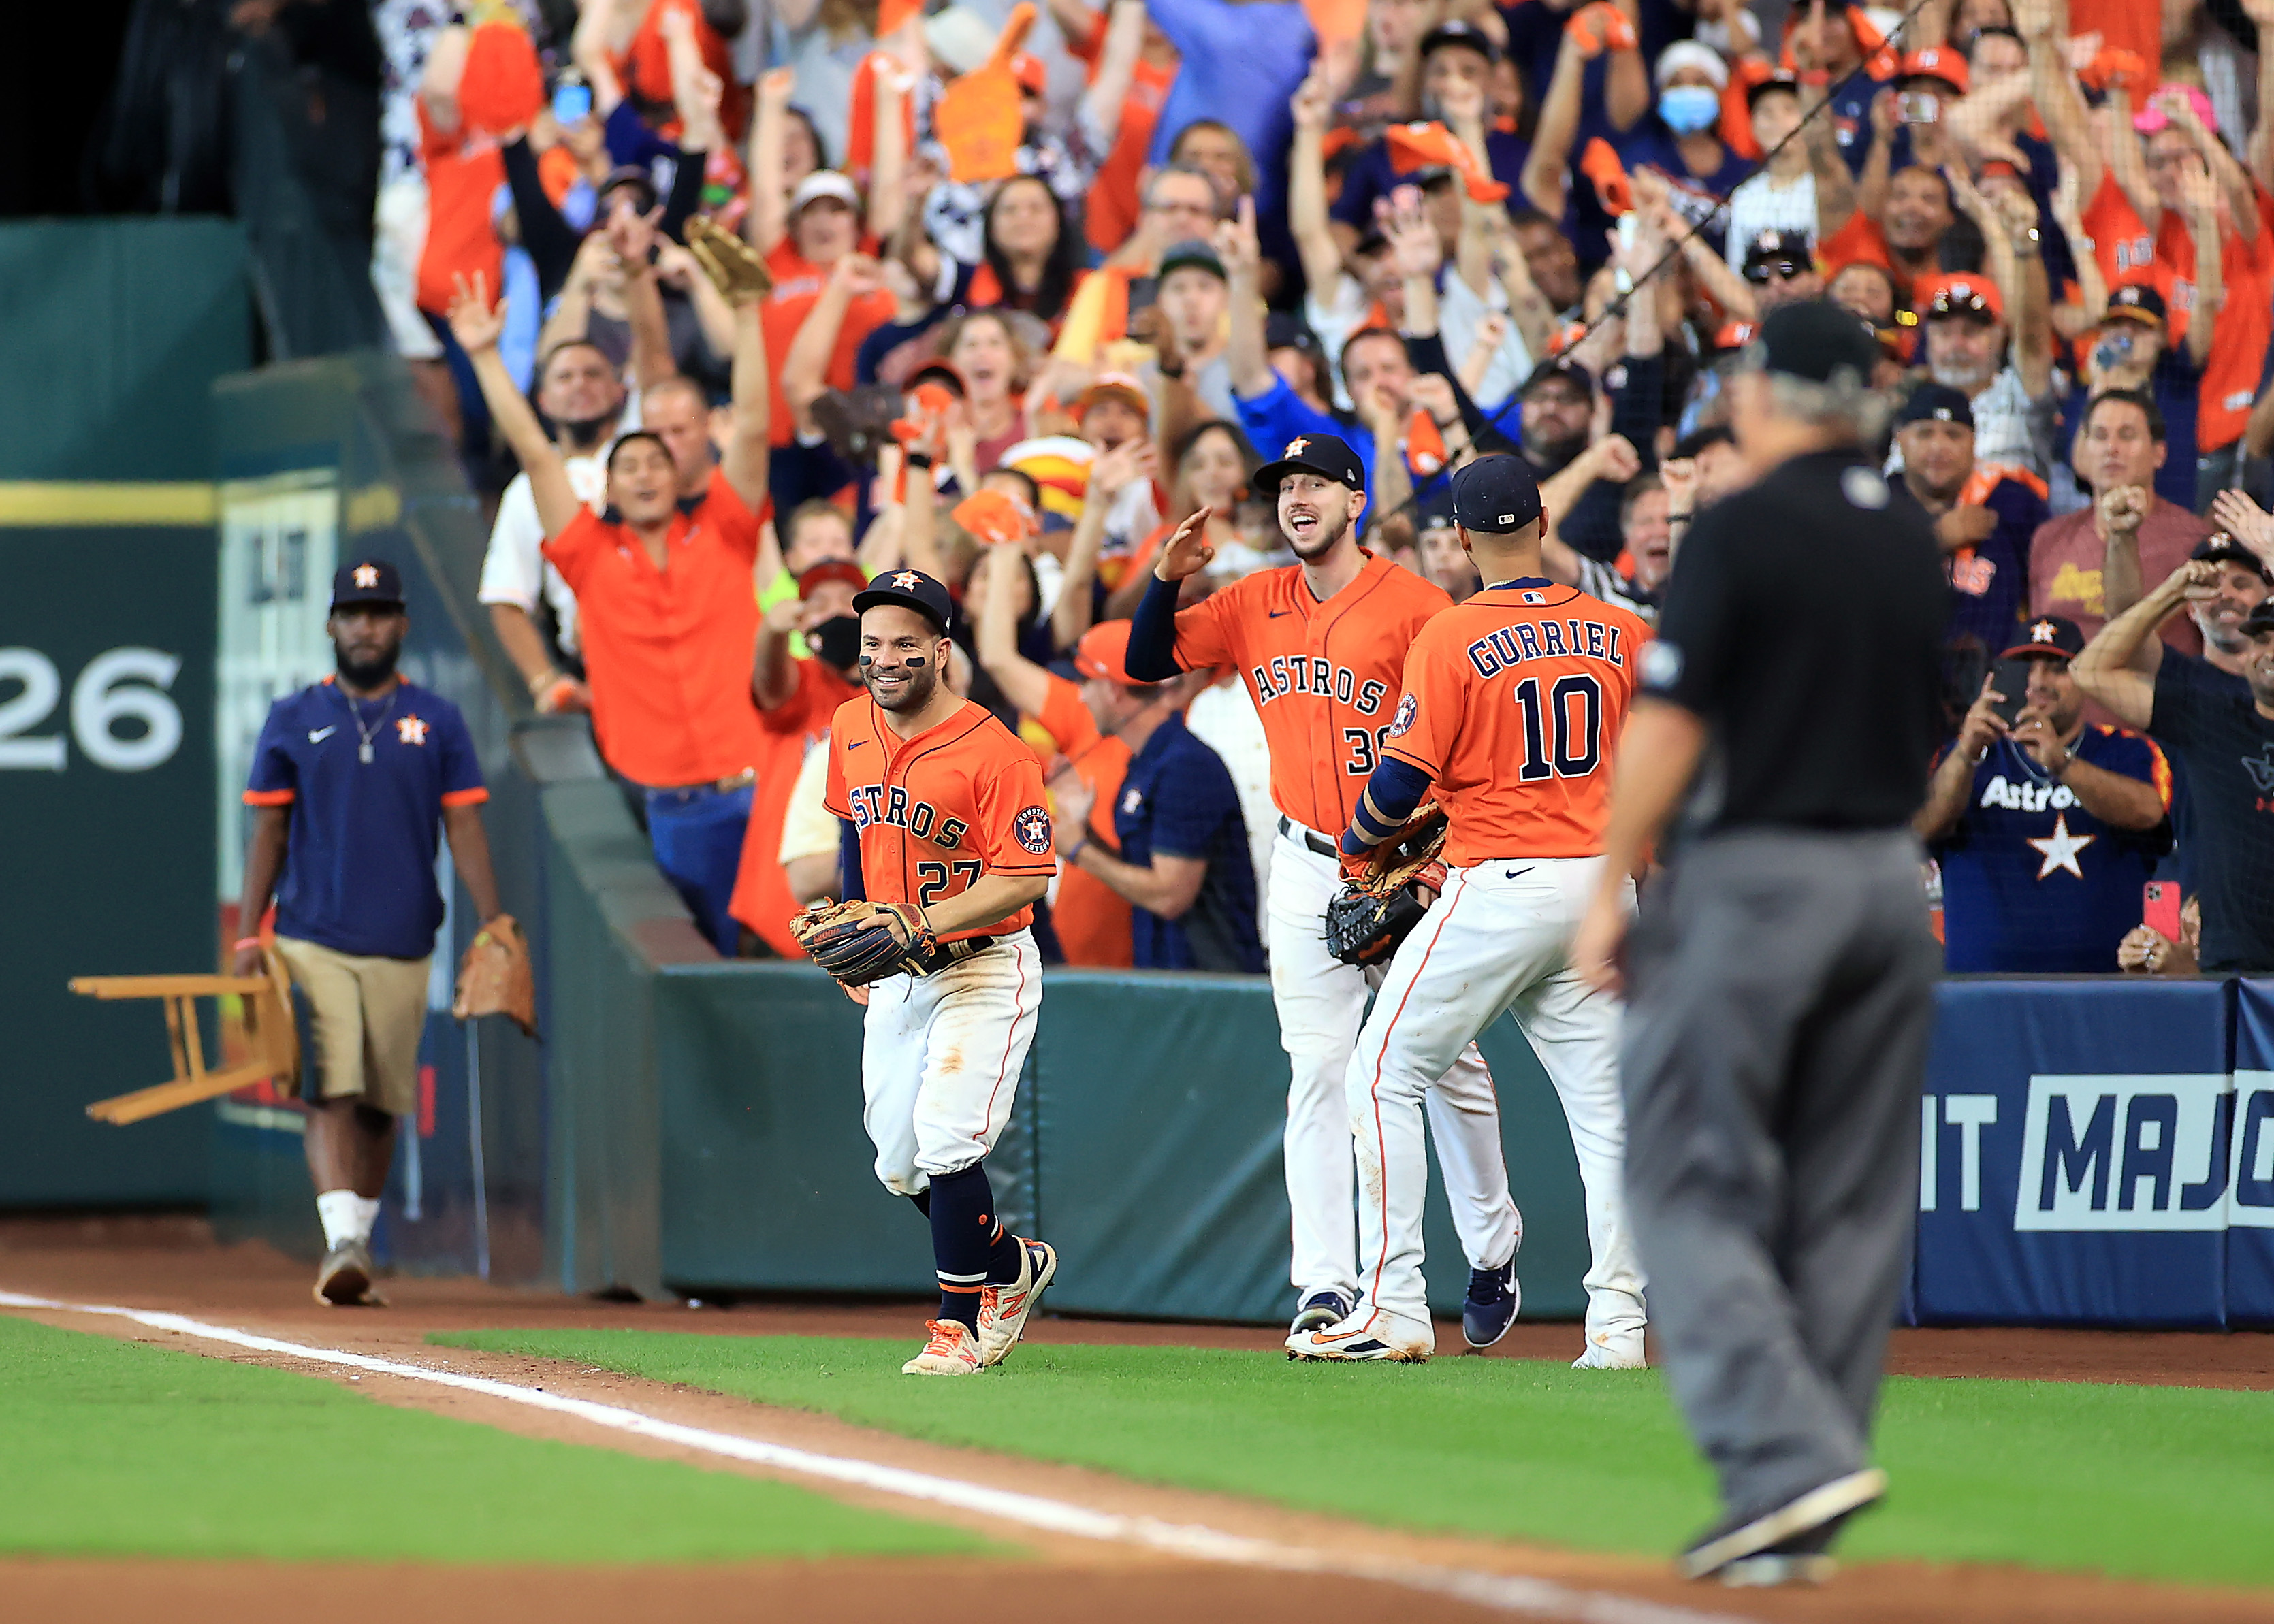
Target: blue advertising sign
[2251, 1203]
[2074, 1159]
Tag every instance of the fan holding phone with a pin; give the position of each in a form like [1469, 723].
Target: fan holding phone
[2047, 826]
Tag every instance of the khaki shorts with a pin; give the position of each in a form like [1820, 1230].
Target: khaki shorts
[364, 1018]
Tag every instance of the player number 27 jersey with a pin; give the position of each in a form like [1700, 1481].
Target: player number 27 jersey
[961, 799]
[1513, 703]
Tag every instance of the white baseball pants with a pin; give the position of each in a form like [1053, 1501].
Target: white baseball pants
[1320, 1001]
[940, 1058]
[1496, 940]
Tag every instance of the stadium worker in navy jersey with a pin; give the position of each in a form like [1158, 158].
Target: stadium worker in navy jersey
[2046, 830]
[354, 782]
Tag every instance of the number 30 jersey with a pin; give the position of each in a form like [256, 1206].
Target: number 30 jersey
[1513, 703]
[1326, 677]
[961, 799]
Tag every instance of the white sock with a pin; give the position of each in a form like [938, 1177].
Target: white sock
[347, 1216]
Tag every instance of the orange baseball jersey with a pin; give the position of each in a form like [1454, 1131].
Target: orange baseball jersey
[1513, 703]
[1325, 676]
[961, 799]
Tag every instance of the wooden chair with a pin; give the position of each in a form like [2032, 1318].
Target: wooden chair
[256, 1023]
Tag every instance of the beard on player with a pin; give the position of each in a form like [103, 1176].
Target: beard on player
[365, 649]
[1314, 524]
[903, 683]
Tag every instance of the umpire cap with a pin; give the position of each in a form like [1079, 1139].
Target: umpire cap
[1322, 454]
[1813, 339]
[910, 588]
[367, 581]
[1496, 495]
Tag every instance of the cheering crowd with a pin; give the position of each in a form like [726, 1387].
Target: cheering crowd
[1036, 288]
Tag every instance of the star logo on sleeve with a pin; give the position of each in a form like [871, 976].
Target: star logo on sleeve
[1032, 830]
[907, 580]
[367, 576]
[2059, 848]
[410, 730]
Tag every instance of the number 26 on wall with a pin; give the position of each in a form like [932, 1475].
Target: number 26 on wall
[125, 685]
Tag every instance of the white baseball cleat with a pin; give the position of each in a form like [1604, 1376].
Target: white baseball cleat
[951, 1351]
[1613, 1350]
[1003, 1310]
[1362, 1337]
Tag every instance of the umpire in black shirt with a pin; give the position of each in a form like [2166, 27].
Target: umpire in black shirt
[1781, 972]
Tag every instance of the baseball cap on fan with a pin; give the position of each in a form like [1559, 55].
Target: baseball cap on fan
[2048, 637]
[367, 581]
[1936, 403]
[1322, 454]
[1496, 495]
[2221, 547]
[1104, 651]
[908, 588]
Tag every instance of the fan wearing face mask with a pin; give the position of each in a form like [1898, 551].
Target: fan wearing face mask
[796, 696]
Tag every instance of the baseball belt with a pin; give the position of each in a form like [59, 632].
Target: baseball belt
[1318, 843]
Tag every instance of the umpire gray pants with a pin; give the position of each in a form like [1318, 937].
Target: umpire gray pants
[1780, 994]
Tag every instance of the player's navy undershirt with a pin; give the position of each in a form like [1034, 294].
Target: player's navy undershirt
[1152, 656]
[853, 887]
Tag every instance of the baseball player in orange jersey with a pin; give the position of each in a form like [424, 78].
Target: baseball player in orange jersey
[942, 808]
[1321, 645]
[1513, 701]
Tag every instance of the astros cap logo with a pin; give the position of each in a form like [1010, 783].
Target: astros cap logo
[2042, 632]
[1297, 446]
[367, 574]
[907, 580]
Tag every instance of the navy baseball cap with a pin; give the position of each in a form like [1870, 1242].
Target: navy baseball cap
[2220, 547]
[2136, 302]
[1322, 454]
[2048, 637]
[367, 581]
[1936, 403]
[909, 589]
[1496, 495]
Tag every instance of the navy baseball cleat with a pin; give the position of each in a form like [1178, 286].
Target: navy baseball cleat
[1490, 1307]
[1320, 1309]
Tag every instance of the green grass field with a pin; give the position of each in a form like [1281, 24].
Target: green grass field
[2162, 1483]
[114, 1448]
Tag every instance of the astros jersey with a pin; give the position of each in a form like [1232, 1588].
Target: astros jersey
[1513, 703]
[2031, 881]
[961, 799]
[1325, 676]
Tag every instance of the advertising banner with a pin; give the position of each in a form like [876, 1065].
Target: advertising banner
[2075, 1156]
[2250, 1202]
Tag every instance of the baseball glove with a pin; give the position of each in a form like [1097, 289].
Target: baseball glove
[862, 941]
[1379, 905]
[494, 977]
[734, 268]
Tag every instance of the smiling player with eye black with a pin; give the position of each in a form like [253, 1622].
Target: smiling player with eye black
[947, 844]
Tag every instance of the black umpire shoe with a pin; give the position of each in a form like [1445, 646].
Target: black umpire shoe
[1779, 1539]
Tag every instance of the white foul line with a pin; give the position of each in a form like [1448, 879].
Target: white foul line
[1507, 1592]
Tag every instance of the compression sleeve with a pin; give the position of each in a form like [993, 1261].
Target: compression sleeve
[849, 862]
[1391, 794]
[1152, 655]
